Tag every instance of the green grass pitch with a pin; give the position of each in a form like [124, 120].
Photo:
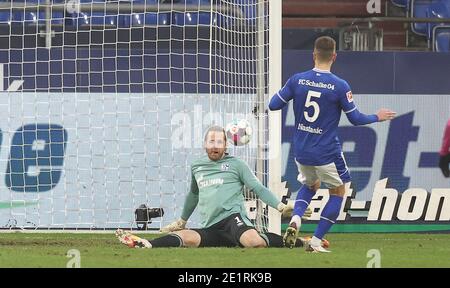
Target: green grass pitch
[103, 250]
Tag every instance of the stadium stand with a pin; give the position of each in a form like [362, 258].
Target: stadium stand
[400, 3]
[441, 38]
[438, 9]
[420, 9]
[301, 18]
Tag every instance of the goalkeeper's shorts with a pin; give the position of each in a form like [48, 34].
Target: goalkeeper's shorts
[225, 233]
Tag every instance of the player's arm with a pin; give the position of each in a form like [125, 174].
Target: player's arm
[191, 200]
[189, 206]
[251, 182]
[357, 118]
[282, 97]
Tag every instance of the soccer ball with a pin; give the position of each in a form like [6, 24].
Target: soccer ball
[239, 132]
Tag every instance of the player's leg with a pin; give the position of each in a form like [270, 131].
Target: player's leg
[182, 238]
[333, 175]
[131, 240]
[308, 177]
[252, 239]
[276, 241]
[240, 231]
[215, 237]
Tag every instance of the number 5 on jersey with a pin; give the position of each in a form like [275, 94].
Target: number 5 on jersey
[311, 103]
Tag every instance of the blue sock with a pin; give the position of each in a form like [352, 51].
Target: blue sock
[329, 215]
[304, 197]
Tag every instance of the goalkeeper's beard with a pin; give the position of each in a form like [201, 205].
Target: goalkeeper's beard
[215, 153]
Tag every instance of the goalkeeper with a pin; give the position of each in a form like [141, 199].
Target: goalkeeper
[217, 189]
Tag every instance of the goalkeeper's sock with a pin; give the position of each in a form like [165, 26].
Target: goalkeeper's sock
[275, 240]
[170, 240]
[272, 239]
[328, 216]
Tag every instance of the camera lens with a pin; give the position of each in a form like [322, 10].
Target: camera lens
[155, 212]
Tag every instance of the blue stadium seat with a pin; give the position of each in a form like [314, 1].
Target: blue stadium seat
[188, 18]
[192, 18]
[438, 9]
[441, 38]
[400, 3]
[5, 17]
[86, 18]
[248, 8]
[157, 19]
[145, 19]
[201, 2]
[420, 9]
[204, 18]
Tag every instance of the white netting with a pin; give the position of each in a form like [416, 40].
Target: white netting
[104, 104]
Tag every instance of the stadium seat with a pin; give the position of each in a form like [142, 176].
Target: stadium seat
[25, 17]
[420, 9]
[400, 3]
[144, 19]
[5, 17]
[87, 18]
[188, 18]
[438, 9]
[248, 8]
[201, 2]
[204, 18]
[193, 18]
[441, 38]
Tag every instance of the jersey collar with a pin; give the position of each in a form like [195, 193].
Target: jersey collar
[321, 71]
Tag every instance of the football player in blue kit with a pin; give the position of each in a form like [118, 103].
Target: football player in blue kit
[319, 97]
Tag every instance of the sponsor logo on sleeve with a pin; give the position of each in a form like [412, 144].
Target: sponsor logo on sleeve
[350, 96]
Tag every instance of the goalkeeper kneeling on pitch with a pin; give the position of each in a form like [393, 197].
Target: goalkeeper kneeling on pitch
[217, 189]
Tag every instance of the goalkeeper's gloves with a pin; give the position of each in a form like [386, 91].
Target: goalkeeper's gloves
[444, 161]
[180, 224]
[287, 209]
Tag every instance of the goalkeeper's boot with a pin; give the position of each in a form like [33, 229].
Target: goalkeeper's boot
[306, 240]
[131, 240]
[290, 236]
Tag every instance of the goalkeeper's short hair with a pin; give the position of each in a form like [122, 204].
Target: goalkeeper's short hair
[215, 128]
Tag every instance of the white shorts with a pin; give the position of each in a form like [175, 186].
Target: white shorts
[332, 175]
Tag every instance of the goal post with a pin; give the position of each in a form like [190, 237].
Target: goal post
[106, 102]
[275, 125]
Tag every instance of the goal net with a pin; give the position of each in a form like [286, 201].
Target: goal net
[104, 105]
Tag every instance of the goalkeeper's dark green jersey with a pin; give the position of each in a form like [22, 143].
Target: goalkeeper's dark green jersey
[217, 190]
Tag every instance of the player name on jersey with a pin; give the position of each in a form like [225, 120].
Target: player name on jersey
[309, 129]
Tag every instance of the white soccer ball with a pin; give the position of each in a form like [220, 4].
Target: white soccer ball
[239, 132]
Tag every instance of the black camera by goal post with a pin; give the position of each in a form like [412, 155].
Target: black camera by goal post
[143, 216]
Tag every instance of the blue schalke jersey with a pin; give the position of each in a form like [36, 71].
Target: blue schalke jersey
[319, 97]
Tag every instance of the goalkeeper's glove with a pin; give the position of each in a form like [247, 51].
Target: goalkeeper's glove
[286, 210]
[180, 224]
[444, 161]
